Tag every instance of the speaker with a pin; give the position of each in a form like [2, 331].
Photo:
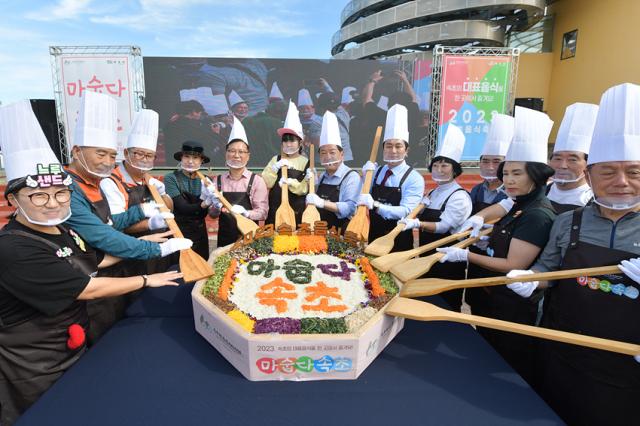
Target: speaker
[45, 111]
[531, 103]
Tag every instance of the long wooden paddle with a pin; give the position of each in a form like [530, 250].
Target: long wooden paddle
[192, 265]
[244, 224]
[414, 268]
[430, 286]
[386, 262]
[423, 311]
[359, 223]
[383, 245]
[285, 214]
[311, 214]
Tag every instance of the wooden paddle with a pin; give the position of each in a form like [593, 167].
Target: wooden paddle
[383, 245]
[423, 311]
[244, 224]
[414, 268]
[359, 223]
[386, 262]
[285, 214]
[192, 265]
[430, 286]
[311, 214]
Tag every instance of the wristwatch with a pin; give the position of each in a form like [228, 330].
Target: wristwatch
[145, 278]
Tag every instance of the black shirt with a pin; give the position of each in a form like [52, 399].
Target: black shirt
[34, 280]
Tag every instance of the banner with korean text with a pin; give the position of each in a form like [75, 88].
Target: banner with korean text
[473, 90]
[109, 74]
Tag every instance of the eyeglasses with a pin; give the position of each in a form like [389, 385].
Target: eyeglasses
[40, 199]
[237, 152]
[139, 155]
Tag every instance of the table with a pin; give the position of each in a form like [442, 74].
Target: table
[153, 368]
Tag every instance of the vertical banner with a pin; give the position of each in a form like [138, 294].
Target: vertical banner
[473, 90]
[109, 74]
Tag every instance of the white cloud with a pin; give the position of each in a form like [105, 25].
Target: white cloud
[64, 9]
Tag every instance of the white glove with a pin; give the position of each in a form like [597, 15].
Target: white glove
[288, 181]
[474, 223]
[309, 173]
[316, 200]
[237, 208]
[278, 165]
[173, 245]
[482, 243]
[159, 186]
[150, 209]
[205, 191]
[637, 358]
[453, 254]
[366, 200]
[426, 201]
[631, 268]
[212, 200]
[158, 221]
[523, 289]
[409, 223]
[369, 166]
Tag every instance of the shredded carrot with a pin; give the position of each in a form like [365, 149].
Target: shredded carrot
[376, 289]
[227, 281]
[312, 244]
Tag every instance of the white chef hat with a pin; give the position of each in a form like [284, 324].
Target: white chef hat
[530, 136]
[235, 99]
[275, 92]
[576, 128]
[499, 135]
[237, 132]
[292, 122]
[144, 130]
[304, 98]
[97, 121]
[330, 132]
[397, 125]
[452, 144]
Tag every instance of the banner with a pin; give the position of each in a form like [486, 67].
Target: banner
[197, 98]
[473, 89]
[109, 74]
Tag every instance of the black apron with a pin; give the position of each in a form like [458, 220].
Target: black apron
[34, 353]
[391, 195]
[139, 194]
[502, 303]
[227, 225]
[477, 200]
[588, 386]
[447, 270]
[104, 312]
[193, 226]
[332, 193]
[297, 202]
[560, 208]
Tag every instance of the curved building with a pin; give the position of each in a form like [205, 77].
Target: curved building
[382, 28]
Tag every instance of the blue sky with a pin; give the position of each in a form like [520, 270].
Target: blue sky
[210, 28]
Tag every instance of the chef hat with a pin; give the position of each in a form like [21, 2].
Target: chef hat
[396, 126]
[346, 95]
[530, 136]
[330, 133]
[304, 98]
[292, 122]
[383, 103]
[97, 121]
[237, 132]
[452, 144]
[616, 136]
[26, 150]
[576, 128]
[144, 130]
[275, 91]
[499, 135]
[234, 99]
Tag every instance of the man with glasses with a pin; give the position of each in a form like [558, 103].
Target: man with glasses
[94, 155]
[246, 191]
[127, 187]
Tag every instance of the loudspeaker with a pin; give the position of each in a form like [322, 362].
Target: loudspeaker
[45, 111]
[531, 103]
